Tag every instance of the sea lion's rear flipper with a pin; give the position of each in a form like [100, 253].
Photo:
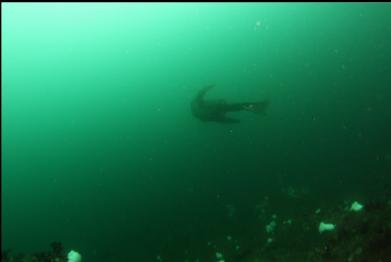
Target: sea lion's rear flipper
[257, 107]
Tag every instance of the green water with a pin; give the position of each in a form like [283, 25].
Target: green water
[101, 151]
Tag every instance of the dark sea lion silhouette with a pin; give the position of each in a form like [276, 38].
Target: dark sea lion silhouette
[215, 110]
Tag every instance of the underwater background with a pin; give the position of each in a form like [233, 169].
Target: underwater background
[101, 152]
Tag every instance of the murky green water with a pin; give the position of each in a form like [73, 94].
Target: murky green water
[101, 151]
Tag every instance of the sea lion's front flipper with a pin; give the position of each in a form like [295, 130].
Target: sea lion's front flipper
[228, 120]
